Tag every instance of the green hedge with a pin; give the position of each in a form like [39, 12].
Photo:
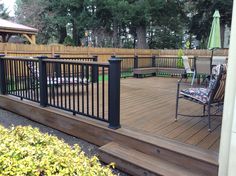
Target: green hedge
[27, 151]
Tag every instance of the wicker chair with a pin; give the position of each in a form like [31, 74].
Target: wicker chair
[207, 96]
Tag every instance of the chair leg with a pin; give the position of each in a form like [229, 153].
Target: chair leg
[204, 110]
[193, 78]
[209, 117]
[177, 103]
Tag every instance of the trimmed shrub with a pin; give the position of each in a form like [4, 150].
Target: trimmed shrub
[27, 151]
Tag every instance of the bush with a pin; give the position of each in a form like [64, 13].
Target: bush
[180, 63]
[27, 151]
[68, 41]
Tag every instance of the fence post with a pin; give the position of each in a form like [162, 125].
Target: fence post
[43, 81]
[95, 70]
[3, 86]
[57, 66]
[114, 93]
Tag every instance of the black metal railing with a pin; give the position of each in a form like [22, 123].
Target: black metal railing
[87, 88]
[167, 62]
[20, 80]
[172, 62]
[127, 66]
[85, 94]
[79, 58]
[144, 62]
[130, 63]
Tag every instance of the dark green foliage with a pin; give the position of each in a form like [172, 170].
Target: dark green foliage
[163, 37]
[68, 41]
[201, 19]
[122, 23]
[3, 12]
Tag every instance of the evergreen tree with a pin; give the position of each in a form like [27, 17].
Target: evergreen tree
[4, 14]
[201, 17]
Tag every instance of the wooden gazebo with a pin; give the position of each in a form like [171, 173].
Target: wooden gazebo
[8, 29]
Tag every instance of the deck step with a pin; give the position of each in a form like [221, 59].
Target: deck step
[188, 156]
[137, 163]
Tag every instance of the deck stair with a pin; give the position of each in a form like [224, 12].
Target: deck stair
[138, 163]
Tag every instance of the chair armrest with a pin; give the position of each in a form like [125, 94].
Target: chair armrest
[188, 85]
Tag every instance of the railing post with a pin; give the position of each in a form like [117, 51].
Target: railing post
[114, 93]
[95, 70]
[195, 65]
[154, 65]
[57, 66]
[43, 81]
[135, 64]
[198, 77]
[3, 86]
[136, 61]
[153, 61]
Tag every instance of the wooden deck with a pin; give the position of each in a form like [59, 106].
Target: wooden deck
[148, 132]
[148, 106]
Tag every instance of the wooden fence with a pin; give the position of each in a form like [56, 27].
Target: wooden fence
[102, 53]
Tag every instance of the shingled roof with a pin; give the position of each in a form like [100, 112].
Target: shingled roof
[11, 27]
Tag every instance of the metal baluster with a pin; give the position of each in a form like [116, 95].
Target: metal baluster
[82, 77]
[87, 88]
[69, 85]
[103, 93]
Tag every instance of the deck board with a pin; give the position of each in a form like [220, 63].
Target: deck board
[148, 106]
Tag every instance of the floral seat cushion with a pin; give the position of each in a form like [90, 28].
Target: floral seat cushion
[202, 94]
[199, 94]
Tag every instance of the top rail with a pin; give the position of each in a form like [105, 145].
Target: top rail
[19, 58]
[75, 62]
[86, 88]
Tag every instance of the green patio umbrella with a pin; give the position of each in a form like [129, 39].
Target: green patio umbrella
[214, 41]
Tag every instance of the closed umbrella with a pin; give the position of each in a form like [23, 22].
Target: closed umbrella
[214, 41]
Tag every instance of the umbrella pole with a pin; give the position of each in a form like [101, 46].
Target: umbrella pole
[211, 61]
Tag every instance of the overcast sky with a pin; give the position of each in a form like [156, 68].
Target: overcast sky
[10, 5]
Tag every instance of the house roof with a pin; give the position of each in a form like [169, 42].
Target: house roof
[11, 27]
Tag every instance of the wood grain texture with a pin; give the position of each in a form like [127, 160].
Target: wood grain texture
[147, 120]
[148, 106]
[140, 164]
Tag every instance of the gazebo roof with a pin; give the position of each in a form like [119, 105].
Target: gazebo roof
[11, 27]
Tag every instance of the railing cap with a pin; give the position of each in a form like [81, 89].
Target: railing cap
[42, 57]
[56, 55]
[114, 60]
[2, 55]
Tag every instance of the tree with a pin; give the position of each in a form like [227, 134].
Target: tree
[3, 12]
[25, 14]
[139, 20]
[110, 21]
[201, 17]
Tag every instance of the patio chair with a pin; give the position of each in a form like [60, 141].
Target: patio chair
[188, 69]
[210, 96]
